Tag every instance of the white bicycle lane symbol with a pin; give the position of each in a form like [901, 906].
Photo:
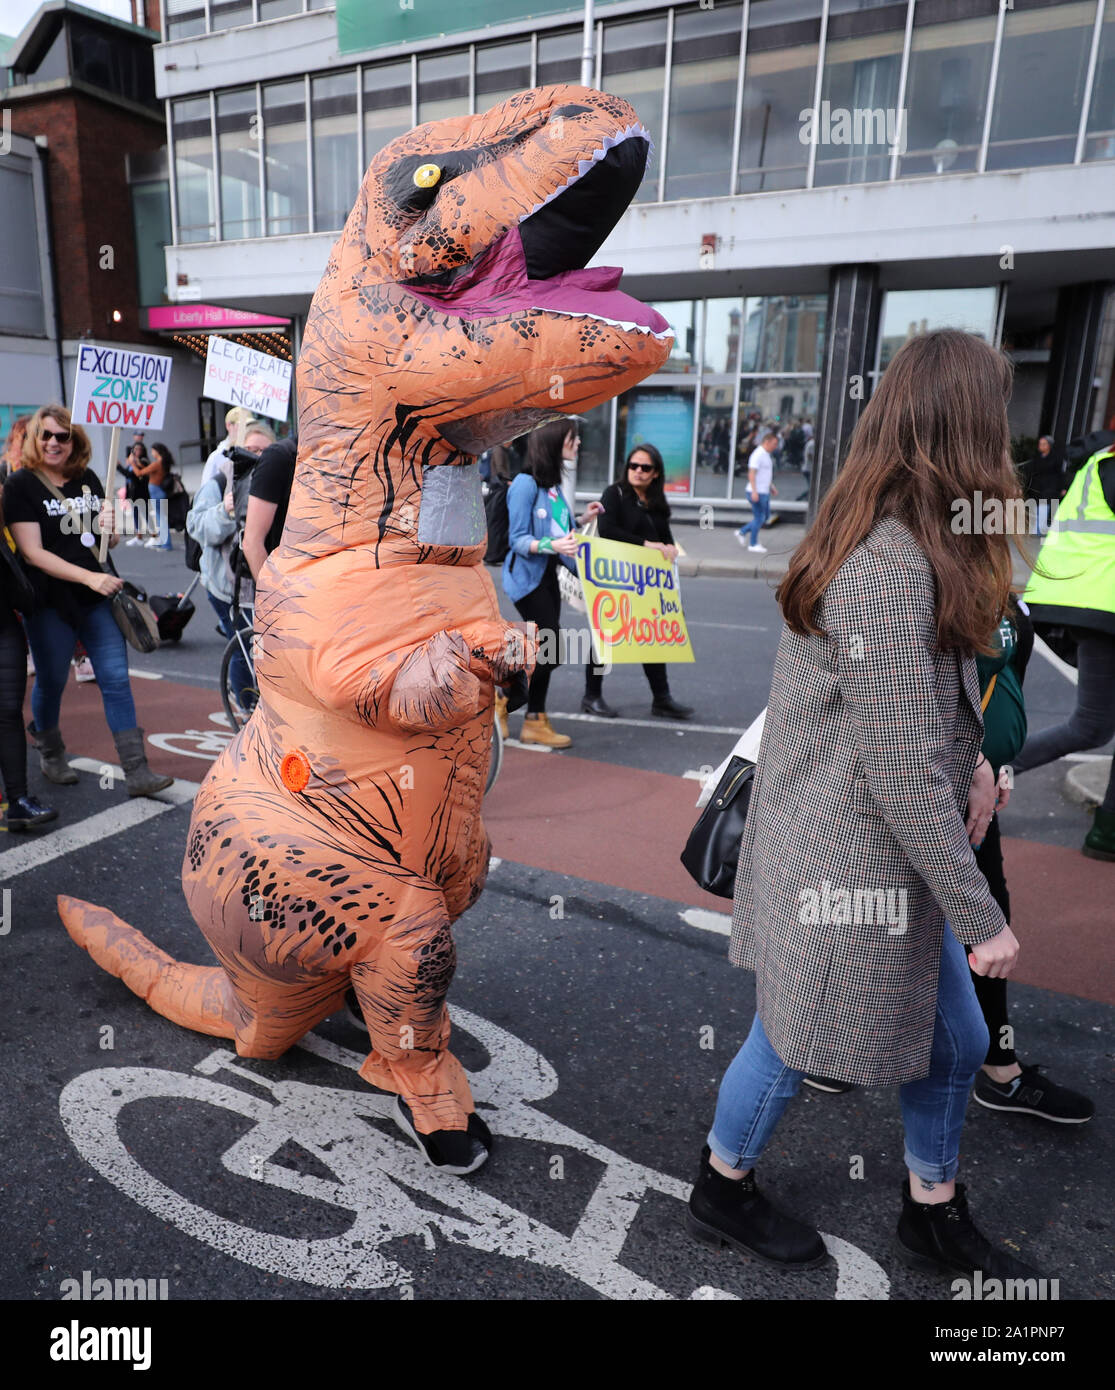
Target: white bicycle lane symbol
[380, 1178]
[207, 744]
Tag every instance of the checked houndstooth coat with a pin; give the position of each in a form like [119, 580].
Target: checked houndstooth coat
[872, 735]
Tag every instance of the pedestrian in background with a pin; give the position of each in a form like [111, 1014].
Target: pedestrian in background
[1073, 585]
[870, 748]
[634, 510]
[760, 485]
[1043, 480]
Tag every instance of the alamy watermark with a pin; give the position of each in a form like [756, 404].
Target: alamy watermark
[881, 126]
[833, 906]
[995, 516]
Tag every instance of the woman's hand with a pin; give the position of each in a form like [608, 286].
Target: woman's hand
[981, 803]
[230, 504]
[995, 958]
[593, 509]
[1003, 788]
[105, 584]
[565, 545]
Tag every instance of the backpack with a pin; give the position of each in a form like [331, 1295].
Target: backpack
[178, 503]
[243, 464]
[494, 492]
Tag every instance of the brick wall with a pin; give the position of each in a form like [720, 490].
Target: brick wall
[91, 207]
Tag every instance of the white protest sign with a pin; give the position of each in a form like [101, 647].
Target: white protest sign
[241, 375]
[117, 386]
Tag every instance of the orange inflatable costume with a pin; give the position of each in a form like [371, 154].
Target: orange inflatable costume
[339, 835]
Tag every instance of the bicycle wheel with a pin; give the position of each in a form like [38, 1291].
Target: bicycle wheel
[239, 644]
[495, 759]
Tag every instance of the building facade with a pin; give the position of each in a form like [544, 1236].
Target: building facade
[828, 177]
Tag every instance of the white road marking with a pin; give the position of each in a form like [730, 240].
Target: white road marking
[144, 675]
[179, 793]
[1087, 757]
[1069, 672]
[704, 920]
[530, 747]
[676, 726]
[493, 864]
[35, 853]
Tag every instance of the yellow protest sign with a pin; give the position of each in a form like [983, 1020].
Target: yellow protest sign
[633, 602]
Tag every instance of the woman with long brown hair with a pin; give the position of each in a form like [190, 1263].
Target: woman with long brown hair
[54, 510]
[857, 882]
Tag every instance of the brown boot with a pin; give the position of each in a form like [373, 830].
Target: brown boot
[501, 715]
[537, 729]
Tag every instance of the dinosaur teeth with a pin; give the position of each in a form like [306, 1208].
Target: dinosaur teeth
[584, 165]
[616, 323]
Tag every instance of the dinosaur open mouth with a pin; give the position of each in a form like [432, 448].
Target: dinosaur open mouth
[540, 263]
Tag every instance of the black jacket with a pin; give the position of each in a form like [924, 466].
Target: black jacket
[625, 518]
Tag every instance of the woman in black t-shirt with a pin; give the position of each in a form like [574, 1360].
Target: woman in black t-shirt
[54, 511]
[636, 512]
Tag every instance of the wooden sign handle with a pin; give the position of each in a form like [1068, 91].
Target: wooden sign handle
[110, 480]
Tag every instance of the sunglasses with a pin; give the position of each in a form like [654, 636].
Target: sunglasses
[641, 467]
[62, 436]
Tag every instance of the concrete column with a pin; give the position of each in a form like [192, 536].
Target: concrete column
[851, 328]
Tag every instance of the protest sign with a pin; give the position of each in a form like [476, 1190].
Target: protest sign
[633, 601]
[116, 386]
[241, 375]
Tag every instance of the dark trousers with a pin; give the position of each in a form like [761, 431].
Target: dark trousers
[13, 685]
[655, 673]
[992, 994]
[543, 606]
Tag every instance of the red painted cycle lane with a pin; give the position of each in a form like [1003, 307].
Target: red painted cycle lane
[624, 827]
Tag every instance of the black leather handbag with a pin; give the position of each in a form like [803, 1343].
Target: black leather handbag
[711, 853]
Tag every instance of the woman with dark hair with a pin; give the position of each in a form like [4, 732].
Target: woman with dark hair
[540, 537]
[635, 511]
[156, 474]
[135, 489]
[54, 510]
[857, 885]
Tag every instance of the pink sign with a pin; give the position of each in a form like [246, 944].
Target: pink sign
[179, 316]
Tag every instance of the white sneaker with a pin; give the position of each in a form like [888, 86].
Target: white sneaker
[152, 544]
[741, 536]
[135, 540]
[757, 549]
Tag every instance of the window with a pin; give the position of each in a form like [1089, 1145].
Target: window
[909, 312]
[784, 333]
[1043, 65]
[151, 215]
[238, 148]
[596, 444]
[228, 14]
[703, 101]
[783, 43]
[860, 123]
[387, 109]
[21, 294]
[184, 18]
[1100, 143]
[336, 152]
[723, 319]
[443, 86]
[634, 67]
[284, 133]
[789, 405]
[714, 439]
[681, 315]
[277, 9]
[559, 58]
[193, 169]
[501, 71]
[946, 87]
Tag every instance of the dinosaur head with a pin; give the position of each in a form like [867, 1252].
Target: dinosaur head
[456, 312]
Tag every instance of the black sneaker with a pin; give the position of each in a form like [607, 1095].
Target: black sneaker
[448, 1150]
[1031, 1094]
[732, 1211]
[942, 1239]
[824, 1083]
[24, 812]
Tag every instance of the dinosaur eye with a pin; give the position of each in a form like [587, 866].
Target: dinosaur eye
[426, 175]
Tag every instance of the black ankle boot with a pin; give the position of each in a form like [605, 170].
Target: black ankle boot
[732, 1211]
[666, 707]
[942, 1239]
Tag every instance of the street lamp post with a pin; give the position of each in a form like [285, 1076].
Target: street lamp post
[588, 66]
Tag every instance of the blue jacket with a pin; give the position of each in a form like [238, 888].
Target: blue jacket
[528, 519]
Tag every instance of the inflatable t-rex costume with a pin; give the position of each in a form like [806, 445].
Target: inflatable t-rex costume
[339, 835]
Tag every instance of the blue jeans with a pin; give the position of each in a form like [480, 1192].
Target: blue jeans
[157, 516]
[760, 515]
[52, 645]
[758, 1085]
[239, 672]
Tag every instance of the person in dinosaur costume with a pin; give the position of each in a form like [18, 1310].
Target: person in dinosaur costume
[339, 836]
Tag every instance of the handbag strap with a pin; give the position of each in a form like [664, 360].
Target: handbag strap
[987, 693]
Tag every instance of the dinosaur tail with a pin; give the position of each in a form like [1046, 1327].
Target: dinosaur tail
[195, 996]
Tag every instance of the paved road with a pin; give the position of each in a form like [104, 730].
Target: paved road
[594, 1006]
